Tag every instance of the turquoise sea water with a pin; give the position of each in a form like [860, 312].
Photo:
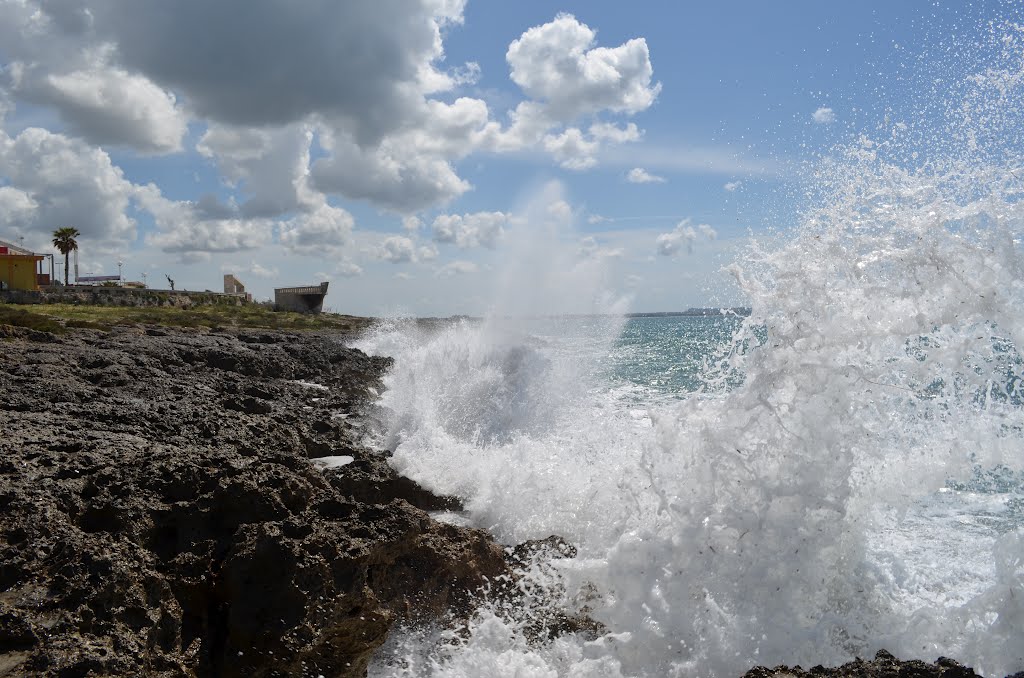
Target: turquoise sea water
[670, 355]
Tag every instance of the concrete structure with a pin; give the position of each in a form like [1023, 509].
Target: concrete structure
[233, 285]
[21, 269]
[300, 299]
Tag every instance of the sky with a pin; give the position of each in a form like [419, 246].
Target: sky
[440, 157]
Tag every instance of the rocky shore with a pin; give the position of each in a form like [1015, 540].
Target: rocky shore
[195, 502]
[205, 502]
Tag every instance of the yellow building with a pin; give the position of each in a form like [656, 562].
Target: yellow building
[21, 269]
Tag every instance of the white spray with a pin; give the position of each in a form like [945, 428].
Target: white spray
[881, 361]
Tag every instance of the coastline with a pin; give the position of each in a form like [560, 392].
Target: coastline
[165, 514]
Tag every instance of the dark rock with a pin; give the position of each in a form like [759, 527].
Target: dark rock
[162, 516]
[884, 665]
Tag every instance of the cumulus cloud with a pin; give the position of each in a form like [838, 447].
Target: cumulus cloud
[268, 164]
[589, 248]
[427, 252]
[559, 211]
[55, 58]
[566, 78]
[265, 272]
[457, 267]
[366, 64]
[480, 229]
[348, 269]
[56, 180]
[732, 186]
[294, 104]
[322, 232]
[397, 174]
[558, 64]
[682, 236]
[639, 175]
[571, 149]
[16, 205]
[190, 232]
[823, 116]
[603, 131]
[397, 249]
[111, 106]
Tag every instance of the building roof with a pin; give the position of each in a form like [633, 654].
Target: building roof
[16, 250]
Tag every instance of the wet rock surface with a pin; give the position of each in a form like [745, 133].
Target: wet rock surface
[884, 665]
[163, 515]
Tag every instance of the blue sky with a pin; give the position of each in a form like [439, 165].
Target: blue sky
[375, 146]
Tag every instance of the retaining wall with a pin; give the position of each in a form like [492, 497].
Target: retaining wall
[120, 296]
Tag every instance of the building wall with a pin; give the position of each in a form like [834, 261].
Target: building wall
[18, 272]
[233, 285]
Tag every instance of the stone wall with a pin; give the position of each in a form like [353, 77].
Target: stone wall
[120, 296]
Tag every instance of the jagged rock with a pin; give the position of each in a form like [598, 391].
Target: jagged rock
[884, 665]
[162, 516]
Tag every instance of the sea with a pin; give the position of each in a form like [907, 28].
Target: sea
[838, 471]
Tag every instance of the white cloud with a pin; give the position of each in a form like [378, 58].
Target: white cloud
[54, 57]
[683, 235]
[411, 223]
[571, 149]
[823, 116]
[186, 229]
[558, 64]
[560, 211]
[397, 174]
[348, 269]
[360, 80]
[732, 186]
[368, 65]
[55, 180]
[397, 249]
[108, 105]
[268, 164]
[568, 78]
[589, 248]
[604, 131]
[260, 271]
[323, 232]
[427, 252]
[480, 229]
[638, 175]
[16, 205]
[457, 267]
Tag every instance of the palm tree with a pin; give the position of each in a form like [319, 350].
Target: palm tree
[64, 240]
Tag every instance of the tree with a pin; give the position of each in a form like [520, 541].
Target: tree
[64, 241]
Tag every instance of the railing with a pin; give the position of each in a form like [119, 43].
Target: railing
[310, 289]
